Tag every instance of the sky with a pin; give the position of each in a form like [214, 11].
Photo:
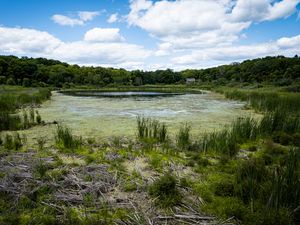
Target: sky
[150, 34]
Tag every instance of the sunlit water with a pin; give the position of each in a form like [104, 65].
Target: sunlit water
[101, 117]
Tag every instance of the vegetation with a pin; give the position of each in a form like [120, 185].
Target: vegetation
[183, 139]
[65, 139]
[165, 191]
[280, 71]
[245, 173]
[13, 99]
[151, 130]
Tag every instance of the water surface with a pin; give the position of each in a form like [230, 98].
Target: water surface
[97, 116]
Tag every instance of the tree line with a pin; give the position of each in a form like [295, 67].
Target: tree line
[26, 71]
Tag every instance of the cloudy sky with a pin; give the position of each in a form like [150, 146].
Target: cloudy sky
[150, 34]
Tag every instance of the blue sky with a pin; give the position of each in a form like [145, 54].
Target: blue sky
[148, 34]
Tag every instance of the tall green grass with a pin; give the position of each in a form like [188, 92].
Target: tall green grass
[12, 101]
[12, 141]
[285, 186]
[183, 139]
[65, 139]
[226, 141]
[266, 101]
[243, 129]
[151, 129]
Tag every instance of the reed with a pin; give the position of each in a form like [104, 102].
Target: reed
[266, 101]
[244, 129]
[285, 187]
[249, 177]
[38, 117]
[65, 138]
[226, 141]
[12, 101]
[151, 129]
[183, 137]
[12, 141]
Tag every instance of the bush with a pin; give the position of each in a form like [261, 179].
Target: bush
[165, 191]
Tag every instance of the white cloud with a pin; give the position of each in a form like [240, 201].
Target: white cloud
[113, 18]
[288, 46]
[66, 21]
[261, 10]
[291, 42]
[82, 18]
[190, 24]
[27, 41]
[87, 15]
[282, 9]
[103, 35]
[34, 43]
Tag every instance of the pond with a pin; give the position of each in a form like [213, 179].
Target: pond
[98, 115]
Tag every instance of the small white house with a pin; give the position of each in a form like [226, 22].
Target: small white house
[190, 80]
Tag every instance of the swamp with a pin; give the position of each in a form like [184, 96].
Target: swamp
[207, 153]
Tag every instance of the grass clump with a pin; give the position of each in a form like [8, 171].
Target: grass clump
[64, 138]
[12, 141]
[183, 137]
[165, 191]
[41, 141]
[151, 129]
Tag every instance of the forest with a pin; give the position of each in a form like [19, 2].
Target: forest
[41, 72]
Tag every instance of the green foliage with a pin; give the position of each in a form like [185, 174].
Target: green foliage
[41, 141]
[12, 141]
[38, 117]
[16, 98]
[165, 191]
[250, 175]
[183, 137]
[28, 71]
[266, 101]
[65, 138]
[285, 187]
[151, 129]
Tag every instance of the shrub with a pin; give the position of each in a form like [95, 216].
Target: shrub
[165, 191]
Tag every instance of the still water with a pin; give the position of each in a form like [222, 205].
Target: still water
[114, 114]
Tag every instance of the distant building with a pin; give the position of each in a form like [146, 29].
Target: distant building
[190, 80]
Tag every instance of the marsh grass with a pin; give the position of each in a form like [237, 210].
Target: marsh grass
[250, 175]
[151, 129]
[183, 139]
[12, 141]
[41, 141]
[266, 100]
[244, 129]
[13, 100]
[65, 139]
[165, 190]
[38, 118]
[285, 183]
